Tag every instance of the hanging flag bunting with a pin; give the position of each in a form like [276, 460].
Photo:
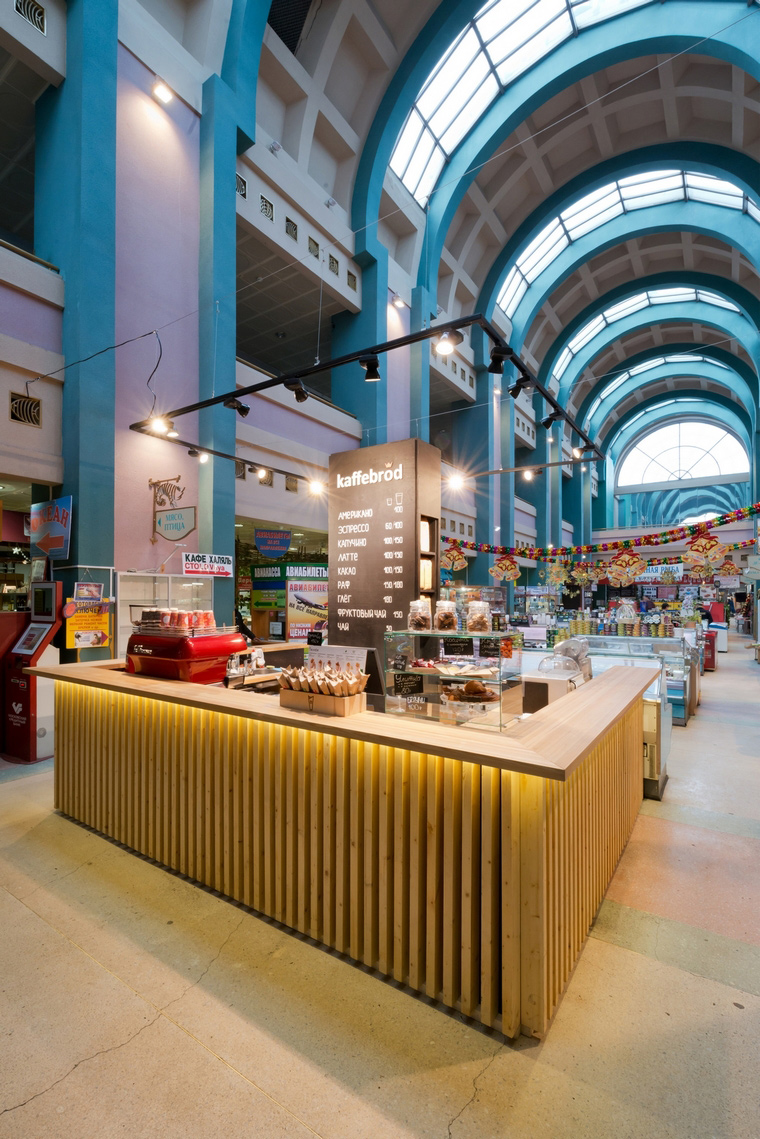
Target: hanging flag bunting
[679, 534]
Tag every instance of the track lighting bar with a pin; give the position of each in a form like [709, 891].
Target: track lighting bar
[501, 353]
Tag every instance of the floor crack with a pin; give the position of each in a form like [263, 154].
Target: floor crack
[84, 1060]
[475, 1088]
[213, 960]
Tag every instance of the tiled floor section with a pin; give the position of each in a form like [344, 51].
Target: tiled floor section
[133, 1003]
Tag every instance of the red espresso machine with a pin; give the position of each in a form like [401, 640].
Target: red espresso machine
[174, 644]
[28, 718]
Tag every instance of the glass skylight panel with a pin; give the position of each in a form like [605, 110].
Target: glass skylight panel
[625, 308]
[688, 358]
[713, 299]
[753, 210]
[707, 188]
[416, 167]
[588, 332]
[513, 292]
[448, 72]
[543, 249]
[484, 93]
[529, 38]
[671, 296]
[430, 174]
[492, 19]
[647, 365]
[441, 116]
[588, 12]
[564, 359]
[593, 211]
[407, 141]
[613, 387]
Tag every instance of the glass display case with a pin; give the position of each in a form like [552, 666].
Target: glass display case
[606, 652]
[157, 591]
[459, 678]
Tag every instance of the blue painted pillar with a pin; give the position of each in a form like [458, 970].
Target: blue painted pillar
[504, 415]
[216, 328]
[477, 446]
[75, 229]
[354, 331]
[578, 504]
[424, 308]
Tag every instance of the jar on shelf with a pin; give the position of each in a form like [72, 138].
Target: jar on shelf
[419, 615]
[445, 618]
[478, 617]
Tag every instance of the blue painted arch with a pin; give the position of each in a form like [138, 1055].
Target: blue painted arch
[730, 226]
[644, 380]
[703, 158]
[742, 326]
[746, 375]
[679, 24]
[624, 434]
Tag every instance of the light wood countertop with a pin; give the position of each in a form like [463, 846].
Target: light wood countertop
[550, 744]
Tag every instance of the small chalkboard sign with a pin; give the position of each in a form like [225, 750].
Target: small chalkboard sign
[407, 683]
[490, 646]
[457, 646]
[314, 637]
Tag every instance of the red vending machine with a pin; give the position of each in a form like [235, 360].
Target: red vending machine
[28, 712]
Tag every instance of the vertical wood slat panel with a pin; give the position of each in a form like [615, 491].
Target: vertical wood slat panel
[461, 881]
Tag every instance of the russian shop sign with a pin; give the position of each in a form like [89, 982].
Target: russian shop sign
[272, 543]
[50, 528]
[654, 573]
[207, 565]
[174, 523]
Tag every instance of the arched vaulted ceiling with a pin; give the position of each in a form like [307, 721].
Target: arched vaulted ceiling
[673, 84]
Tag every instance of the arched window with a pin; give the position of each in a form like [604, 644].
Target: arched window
[683, 450]
[680, 358]
[622, 197]
[630, 305]
[504, 40]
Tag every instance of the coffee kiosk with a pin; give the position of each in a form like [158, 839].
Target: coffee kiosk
[28, 708]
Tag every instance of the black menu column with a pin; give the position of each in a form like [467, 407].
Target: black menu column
[377, 497]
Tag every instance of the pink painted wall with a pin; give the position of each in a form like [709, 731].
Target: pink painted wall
[157, 226]
[30, 319]
[296, 427]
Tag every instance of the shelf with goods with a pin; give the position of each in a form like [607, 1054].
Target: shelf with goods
[454, 678]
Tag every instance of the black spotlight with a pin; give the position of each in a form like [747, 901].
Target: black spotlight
[371, 365]
[496, 364]
[241, 408]
[553, 417]
[298, 390]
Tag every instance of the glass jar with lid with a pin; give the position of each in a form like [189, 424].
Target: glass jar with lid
[478, 617]
[419, 615]
[445, 618]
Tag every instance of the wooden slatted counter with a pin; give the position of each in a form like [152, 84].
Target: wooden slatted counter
[465, 864]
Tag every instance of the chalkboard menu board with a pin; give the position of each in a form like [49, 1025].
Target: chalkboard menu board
[407, 683]
[457, 646]
[377, 497]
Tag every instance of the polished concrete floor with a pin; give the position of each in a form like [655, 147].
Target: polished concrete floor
[133, 1003]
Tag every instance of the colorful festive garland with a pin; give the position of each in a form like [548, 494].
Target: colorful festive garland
[542, 553]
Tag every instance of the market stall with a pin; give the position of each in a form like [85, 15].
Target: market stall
[466, 865]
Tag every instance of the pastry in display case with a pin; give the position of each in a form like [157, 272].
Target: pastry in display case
[457, 678]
